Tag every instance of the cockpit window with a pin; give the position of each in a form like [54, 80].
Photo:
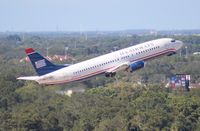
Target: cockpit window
[173, 40]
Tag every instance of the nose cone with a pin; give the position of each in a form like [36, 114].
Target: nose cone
[178, 44]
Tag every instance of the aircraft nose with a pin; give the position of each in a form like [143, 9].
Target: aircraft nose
[179, 44]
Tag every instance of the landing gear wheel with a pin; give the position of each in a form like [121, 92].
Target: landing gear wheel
[113, 74]
[110, 74]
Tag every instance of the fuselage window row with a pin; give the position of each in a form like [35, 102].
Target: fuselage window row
[122, 53]
[96, 66]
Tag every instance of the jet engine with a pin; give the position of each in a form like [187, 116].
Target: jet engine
[136, 65]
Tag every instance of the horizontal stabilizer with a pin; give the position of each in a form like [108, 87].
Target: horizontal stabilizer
[31, 78]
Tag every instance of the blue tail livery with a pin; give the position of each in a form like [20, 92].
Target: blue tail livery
[41, 65]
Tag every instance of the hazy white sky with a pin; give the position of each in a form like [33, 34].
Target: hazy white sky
[71, 15]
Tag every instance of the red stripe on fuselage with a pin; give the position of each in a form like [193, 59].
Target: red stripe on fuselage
[101, 71]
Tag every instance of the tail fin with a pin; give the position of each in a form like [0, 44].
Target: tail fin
[41, 65]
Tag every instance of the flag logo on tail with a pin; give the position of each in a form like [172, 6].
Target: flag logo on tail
[40, 63]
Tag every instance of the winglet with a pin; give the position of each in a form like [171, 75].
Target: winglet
[29, 50]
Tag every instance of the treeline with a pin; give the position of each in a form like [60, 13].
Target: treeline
[80, 46]
[118, 106]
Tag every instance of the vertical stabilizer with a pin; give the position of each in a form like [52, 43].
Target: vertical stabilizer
[41, 65]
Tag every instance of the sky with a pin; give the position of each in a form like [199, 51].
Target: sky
[98, 15]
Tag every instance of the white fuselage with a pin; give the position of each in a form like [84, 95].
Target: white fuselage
[101, 64]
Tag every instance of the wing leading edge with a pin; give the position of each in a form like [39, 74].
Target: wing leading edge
[120, 67]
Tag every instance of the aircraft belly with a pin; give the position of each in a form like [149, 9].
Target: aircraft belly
[55, 78]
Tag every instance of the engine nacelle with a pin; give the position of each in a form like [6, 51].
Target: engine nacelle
[136, 65]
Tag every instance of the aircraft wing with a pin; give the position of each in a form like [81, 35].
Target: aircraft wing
[120, 67]
[31, 78]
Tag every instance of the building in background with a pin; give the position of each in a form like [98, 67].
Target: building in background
[180, 80]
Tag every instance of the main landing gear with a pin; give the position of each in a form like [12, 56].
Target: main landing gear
[110, 74]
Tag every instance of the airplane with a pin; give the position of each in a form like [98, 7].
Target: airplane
[129, 59]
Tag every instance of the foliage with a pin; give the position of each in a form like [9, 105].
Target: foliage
[108, 104]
